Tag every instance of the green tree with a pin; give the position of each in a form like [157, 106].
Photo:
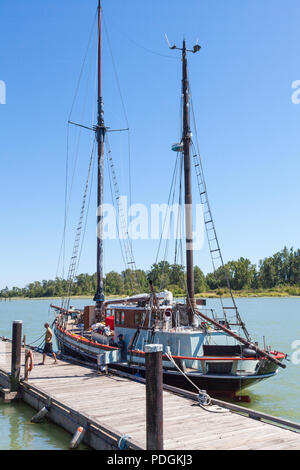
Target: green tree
[268, 276]
[114, 283]
[199, 281]
[159, 274]
[177, 276]
[283, 268]
[242, 273]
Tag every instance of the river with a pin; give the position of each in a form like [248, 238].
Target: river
[278, 319]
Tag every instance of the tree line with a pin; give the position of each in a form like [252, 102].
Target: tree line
[281, 269]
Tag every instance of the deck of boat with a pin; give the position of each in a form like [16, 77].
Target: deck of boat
[117, 406]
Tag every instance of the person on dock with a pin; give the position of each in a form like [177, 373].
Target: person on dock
[121, 344]
[48, 348]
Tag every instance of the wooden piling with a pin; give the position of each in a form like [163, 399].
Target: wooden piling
[16, 355]
[154, 397]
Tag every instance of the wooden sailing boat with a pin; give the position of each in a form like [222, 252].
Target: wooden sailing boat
[200, 350]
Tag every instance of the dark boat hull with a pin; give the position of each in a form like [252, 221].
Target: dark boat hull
[215, 385]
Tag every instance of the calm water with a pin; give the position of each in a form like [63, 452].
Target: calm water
[16, 431]
[278, 319]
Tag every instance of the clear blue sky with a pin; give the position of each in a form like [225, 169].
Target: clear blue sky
[241, 81]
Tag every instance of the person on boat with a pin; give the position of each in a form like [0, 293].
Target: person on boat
[121, 344]
[48, 348]
[112, 342]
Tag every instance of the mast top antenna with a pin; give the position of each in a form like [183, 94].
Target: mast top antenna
[196, 47]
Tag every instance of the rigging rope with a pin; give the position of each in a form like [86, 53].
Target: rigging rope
[87, 213]
[66, 197]
[171, 215]
[141, 46]
[121, 221]
[169, 199]
[179, 225]
[211, 234]
[76, 149]
[178, 170]
[74, 259]
[112, 197]
[124, 112]
[83, 63]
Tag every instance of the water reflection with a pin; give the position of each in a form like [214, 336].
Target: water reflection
[18, 433]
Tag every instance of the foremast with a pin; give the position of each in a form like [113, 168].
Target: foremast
[100, 137]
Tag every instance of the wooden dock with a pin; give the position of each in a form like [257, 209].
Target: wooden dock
[110, 407]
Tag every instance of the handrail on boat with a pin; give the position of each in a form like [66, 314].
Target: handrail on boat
[278, 355]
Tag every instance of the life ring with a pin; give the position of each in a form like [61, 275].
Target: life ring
[168, 312]
[29, 357]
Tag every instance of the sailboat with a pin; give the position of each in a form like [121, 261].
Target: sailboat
[201, 348]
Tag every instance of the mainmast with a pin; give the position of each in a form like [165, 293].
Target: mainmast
[185, 148]
[186, 140]
[100, 136]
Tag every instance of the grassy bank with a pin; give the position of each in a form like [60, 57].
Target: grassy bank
[74, 297]
[284, 291]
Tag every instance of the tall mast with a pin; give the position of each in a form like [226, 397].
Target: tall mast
[186, 143]
[186, 140]
[100, 136]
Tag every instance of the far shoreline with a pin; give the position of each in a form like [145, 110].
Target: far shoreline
[205, 295]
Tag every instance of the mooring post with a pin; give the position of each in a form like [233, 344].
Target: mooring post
[154, 397]
[16, 355]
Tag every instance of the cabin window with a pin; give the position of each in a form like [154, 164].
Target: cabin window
[118, 318]
[113, 312]
[122, 318]
[108, 313]
[136, 318]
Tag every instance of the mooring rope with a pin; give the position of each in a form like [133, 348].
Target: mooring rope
[204, 399]
[33, 342]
